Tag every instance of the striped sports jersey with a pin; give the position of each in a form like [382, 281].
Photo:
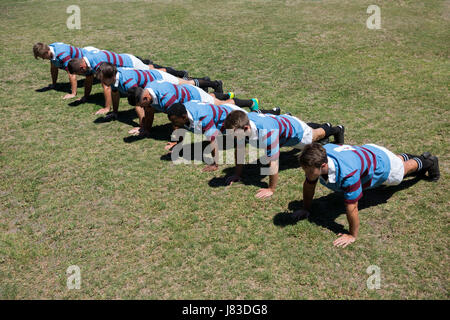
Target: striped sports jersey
[355, 168]
[208, 118]
[62, 53]
[275, 131]
[127, 78]
[95, 58]
[165, 94]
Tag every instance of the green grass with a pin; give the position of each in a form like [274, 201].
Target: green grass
[72, 192]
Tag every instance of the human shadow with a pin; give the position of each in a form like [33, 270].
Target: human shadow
[65, 86]
[160, 132]
[186, 153]
[97, 99]
[126, 116]
[326, 209]
[252, 172]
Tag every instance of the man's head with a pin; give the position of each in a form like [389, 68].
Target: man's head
[177, 114]
[77, 66]
[41, 50]
[313, 160]
[106, 73]
[139, 97]
[237, 120]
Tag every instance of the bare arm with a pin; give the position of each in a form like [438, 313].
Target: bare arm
[353, 218]
[148, 119]
[115, 98]
[108, 98]
[73, 86]
[353, 221]
[273, 179]
[88, 85]
[237, 170]
[54, 73]
[309, 189]
[215, 154]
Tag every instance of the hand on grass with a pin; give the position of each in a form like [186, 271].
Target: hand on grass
[300, 214]
[102, 111]
[210, 168]
[230, 180]
[69, 96]
[343, 240]
[82, 99]
[169, 146]
[264, 193]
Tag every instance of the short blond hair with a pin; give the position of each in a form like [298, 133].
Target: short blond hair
[237, 119]
[39, 49]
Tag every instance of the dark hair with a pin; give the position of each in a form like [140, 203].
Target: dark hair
[313, 155]
[237, 119]
[177, 109]
[39, 49]
[135, 95]
[74, 65]
[106, 70]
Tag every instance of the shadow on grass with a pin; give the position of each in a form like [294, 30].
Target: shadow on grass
[161, 132]
[62, 87]
[252, 172]
[65, 86]
[126, 116]
[188, 152]
[327, 208]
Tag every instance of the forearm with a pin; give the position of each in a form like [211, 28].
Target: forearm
[149, 116]
[54, 73]
[239, 167]
[107, 94]
[273, 178]
[215, 151]
[88, 85]
[115, 97]
[73, 83]
[308, 194]
[353, 218]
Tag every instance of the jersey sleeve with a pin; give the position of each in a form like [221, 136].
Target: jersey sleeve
[129, 83]
[209, 128]
[64, 58]
[271, 142]
[352, 188]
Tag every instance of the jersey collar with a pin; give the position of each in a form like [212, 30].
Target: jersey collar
[53, 53]
[152, 93]
[191, 120]
[116, 84]
[254, 131]
[87, 62]
[331, 171]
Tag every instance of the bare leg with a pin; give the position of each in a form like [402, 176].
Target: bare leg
[182, 81]
[318, 134]
[410, 165]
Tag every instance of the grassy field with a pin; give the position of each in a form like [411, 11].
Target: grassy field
[76, 191]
